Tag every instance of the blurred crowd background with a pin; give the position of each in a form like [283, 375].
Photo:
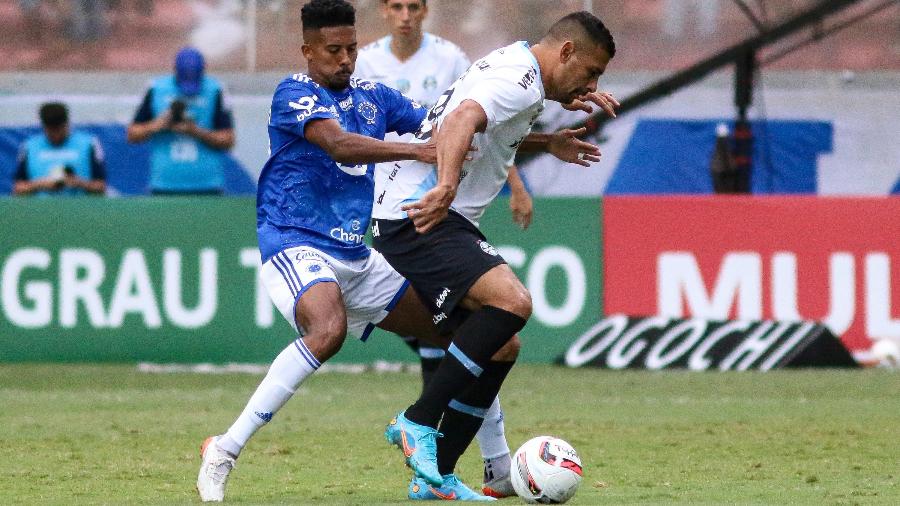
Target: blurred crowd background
[824, 99]
[261, 35]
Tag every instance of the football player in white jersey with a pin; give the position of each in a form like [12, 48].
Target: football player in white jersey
[425, 220]
[422, 65]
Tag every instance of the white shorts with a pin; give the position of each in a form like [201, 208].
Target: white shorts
[370, 286]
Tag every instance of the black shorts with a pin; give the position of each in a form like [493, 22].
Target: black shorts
[441, 265]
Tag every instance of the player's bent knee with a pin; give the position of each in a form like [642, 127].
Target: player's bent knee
[510, 351]
[519, 303]
[325, 338]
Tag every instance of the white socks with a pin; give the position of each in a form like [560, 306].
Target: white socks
[287, 371]
[492, 435]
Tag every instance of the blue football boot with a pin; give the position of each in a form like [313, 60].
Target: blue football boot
[450, 490]
[418, 444]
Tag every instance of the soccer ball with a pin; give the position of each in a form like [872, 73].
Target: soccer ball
[546, 470]
[886, 353]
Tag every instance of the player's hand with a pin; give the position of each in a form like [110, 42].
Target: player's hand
[162, 122]
[601, 98]
[49, 184]
[72, 181]
[427, 153]
[186, 127]
[522, 207]
[566, 146]
[431, 209]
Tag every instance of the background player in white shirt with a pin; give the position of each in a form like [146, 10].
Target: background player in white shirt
[426, 217]
[422, 65]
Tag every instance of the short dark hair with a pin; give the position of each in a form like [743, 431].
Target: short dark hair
[424, 2]
[54, 114]
[326, 13]
[595, 30]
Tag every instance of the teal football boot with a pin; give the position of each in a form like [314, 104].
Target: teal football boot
[418, 444]
[450, 490]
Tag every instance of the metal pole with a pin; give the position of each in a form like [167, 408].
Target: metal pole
[251, 36]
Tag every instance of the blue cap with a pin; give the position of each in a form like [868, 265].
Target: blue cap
[189, 66]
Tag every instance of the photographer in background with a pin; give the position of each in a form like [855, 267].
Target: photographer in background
[59, 161]
[189, 127]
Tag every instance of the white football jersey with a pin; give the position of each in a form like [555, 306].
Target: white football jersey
[507, 85]
[423, 77]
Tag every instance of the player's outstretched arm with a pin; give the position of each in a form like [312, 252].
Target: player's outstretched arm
[454, 140]
[564, 145]
[605, 100]
[349, 148]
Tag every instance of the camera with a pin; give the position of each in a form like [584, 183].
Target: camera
[177, 109]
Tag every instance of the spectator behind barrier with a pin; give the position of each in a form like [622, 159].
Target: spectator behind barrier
[189, 127]
[59, 161]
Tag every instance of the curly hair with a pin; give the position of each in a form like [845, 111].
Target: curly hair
[325, 13]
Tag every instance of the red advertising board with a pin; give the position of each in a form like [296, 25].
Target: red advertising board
[831, 260]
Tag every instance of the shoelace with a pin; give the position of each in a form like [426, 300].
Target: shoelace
[428, 440]
[218, 469]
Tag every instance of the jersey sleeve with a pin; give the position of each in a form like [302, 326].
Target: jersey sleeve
[295, 104]
[222, 117]
[145, 111]
[502, 97]
[404, 115]
[98, 160]
[21, 165]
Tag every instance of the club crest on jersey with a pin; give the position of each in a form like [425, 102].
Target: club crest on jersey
[430, 83]
[368, 111]
[487, 248]
[403, 85]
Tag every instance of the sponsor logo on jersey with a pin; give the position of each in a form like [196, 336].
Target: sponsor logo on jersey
[483, 65]
[303, 78]
[363, 84]
[307, 107]
[344, 235]
[442, 297]
[368, 111]
[347, 104]
[375, 231]
[308, 255]
[487, 248]
[528, 79]
[430, 83]
[438, 318]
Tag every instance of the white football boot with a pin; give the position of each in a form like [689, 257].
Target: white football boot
[214, 470]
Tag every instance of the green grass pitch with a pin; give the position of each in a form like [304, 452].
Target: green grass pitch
[82, 434]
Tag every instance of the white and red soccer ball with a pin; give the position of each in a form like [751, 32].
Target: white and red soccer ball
[546, 470]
